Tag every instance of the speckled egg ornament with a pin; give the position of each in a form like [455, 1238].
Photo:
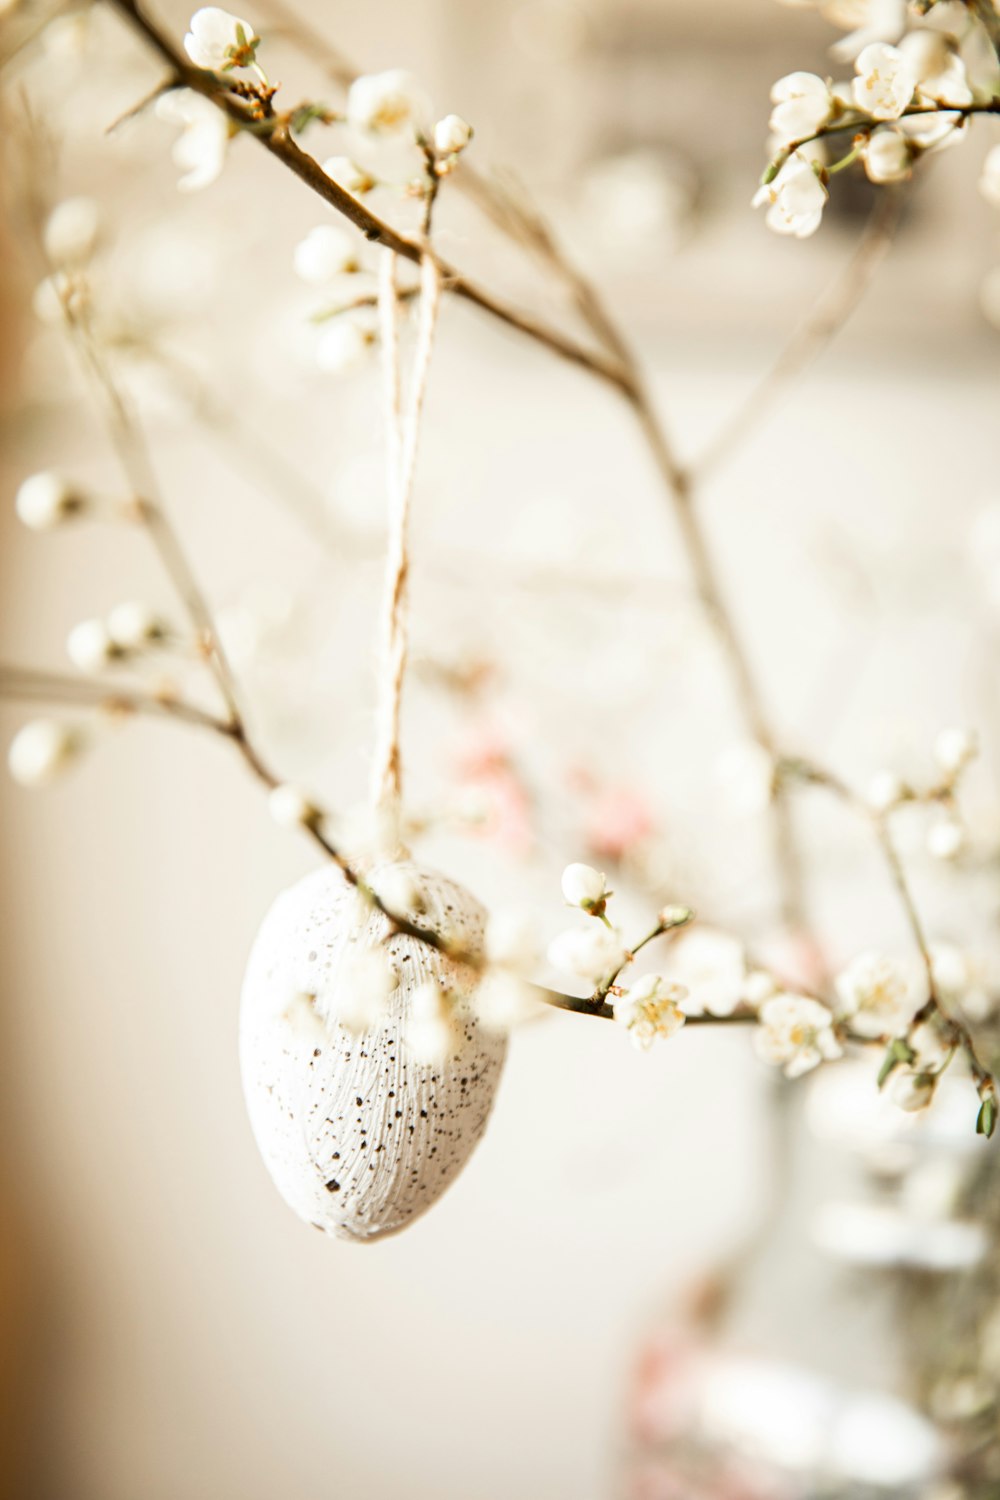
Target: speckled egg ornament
[360, 1136]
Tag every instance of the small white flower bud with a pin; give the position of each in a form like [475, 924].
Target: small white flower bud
[71, 231]
[133, 626]
[90, 647]
[46, 500]
[585, 887]
[502, 1001]
[399, 889]
[348, 175]
[291, 808]
[946, 838]
[885, 791]
[593, 952]
[43, 750]
[326, 253]
[451, 135]
[343, 344]
[428, 1032]
[954, 748]
[934, 1050]
[758, 986]
[911, 1091]
[363, 989]
[218, 40]
[887, 155]
[511, 940]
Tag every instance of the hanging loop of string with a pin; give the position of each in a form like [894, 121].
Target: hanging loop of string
[402, 437]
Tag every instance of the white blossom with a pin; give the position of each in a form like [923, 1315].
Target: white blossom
[200, 149]
[133, 626]
[429, 1033]
[71, 231]
[888, 155]
[934, 130]
[939, 70]
[219, 40]
[511, 940]
[946, 838]
[795, 1033]
[875, 994]
[503, 1001]
[452, 134]
[387, 103]
[593, 952]
[45, 500]
[344, 343]
[363, 986]
[758, 986]
[650, 1009]
[989, 179]
[802, 103]
[399, 888]
[885, 791]
[745, 768]
[348, 175]
[711, 965]
[885, 83]
[42, 751]
[304, 1021]
[954, 749]
[290, 807]
[796, 198]
[326, 253]
[965, 979]
[89, 646]
[585, 887]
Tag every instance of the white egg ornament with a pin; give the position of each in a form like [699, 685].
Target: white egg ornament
[358, 1134]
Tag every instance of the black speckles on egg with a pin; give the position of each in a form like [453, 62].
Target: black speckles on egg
[306, 1118]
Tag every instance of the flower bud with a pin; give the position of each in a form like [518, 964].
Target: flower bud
[451, 135]
[43, 750]
[585, 887]
[954, 748]
[133, 626]
[291, 808]
[46, 500]
[325, 253]
[90, 647]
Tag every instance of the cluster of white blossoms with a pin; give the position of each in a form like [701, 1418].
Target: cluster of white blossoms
[129, 630]
[649, 1009]
[909, 95]
[946, 835]
[381, 108]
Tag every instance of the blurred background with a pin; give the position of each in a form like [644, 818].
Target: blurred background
[169, 1328]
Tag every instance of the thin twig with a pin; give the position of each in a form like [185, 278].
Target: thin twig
[274, 134]
[827, 318]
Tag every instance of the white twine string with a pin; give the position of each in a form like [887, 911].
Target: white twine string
[402, 434]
